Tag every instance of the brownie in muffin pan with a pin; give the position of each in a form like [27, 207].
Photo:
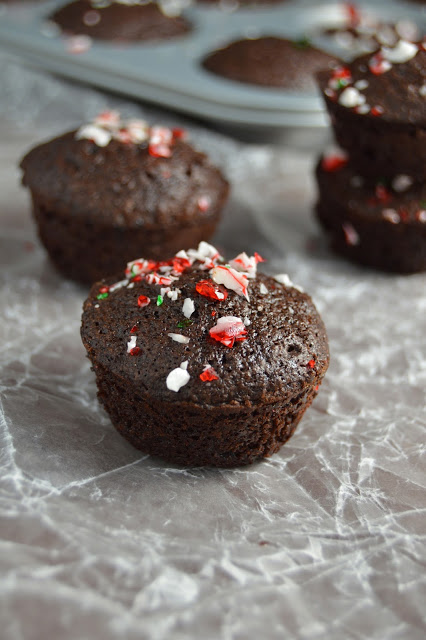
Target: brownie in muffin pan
[203, 362]
[270, 62]
[381, 224]
[377, 106]
[115, 20]
[114, 189]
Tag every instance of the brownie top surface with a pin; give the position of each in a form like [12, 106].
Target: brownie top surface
[267, 348]
[118, 20]
[156, 179]
[399, 199]
[389, 84]
[269, 61]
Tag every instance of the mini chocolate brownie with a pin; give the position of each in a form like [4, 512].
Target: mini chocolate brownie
[270, 62]
[379, 224]
[203, 363]
[377, 106]
[113, 189]
[115, 20]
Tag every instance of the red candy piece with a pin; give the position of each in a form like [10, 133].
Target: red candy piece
[104, 289]
[228, 330]
[178, 133]
[143, 301]
[159, 151]
[135, 351]
[333, 163]
[258, 257]
[311, 364]
[134, 329]
[208, 375]
[211, 290]
[353, 14]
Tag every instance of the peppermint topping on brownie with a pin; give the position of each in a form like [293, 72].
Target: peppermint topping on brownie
[108, 126]
[353, 86]
[222, 281]
[178, 377]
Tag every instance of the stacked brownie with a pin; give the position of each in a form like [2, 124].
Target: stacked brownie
[372, 194]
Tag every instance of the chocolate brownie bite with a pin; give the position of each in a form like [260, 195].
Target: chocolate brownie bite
[377, 106]
[114, 189]
[119, 20]
[201, 362]
[270, 62]
[381, 224]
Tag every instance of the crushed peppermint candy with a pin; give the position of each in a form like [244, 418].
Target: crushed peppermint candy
[391, 215]
[401, 183]
[208, 374]
[143, 301]
[178, 377]
[361, 84]
[351, 97]
[334, 160]
[378, 64]
[351, 235]
[402, 52]
[211, 290]
[131, 344]
[188, 307]
[232, 279]
[246, 264]
[178, 337]
[101, 137]
[109, 126]
[263, 290]
[204, 203]
[283, 278]
[228, 330]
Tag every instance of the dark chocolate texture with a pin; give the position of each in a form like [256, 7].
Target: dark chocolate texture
[265, 382]
[389, 225]
[99, 207]
[269, 61]
[118, 21]
[393, 140]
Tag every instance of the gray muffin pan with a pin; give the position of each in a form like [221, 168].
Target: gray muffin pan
[169, 72]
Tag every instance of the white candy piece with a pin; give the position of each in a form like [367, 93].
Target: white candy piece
[204, 251]
[100, 136]
[173, 294]
[283, 278]
[231, 279]
[118, 285]
[402, 52]
[263, 290]
[178, 377]
[245, 264]
[422, 90]
[178, 337]
[188, 307]
[361, 84]
[351, 97]
[131, 344]
[391, 216]
[401, 183]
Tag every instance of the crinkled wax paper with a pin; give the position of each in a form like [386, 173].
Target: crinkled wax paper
[323, 540]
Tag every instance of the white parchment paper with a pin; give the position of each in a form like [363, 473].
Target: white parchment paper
[324, 540]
